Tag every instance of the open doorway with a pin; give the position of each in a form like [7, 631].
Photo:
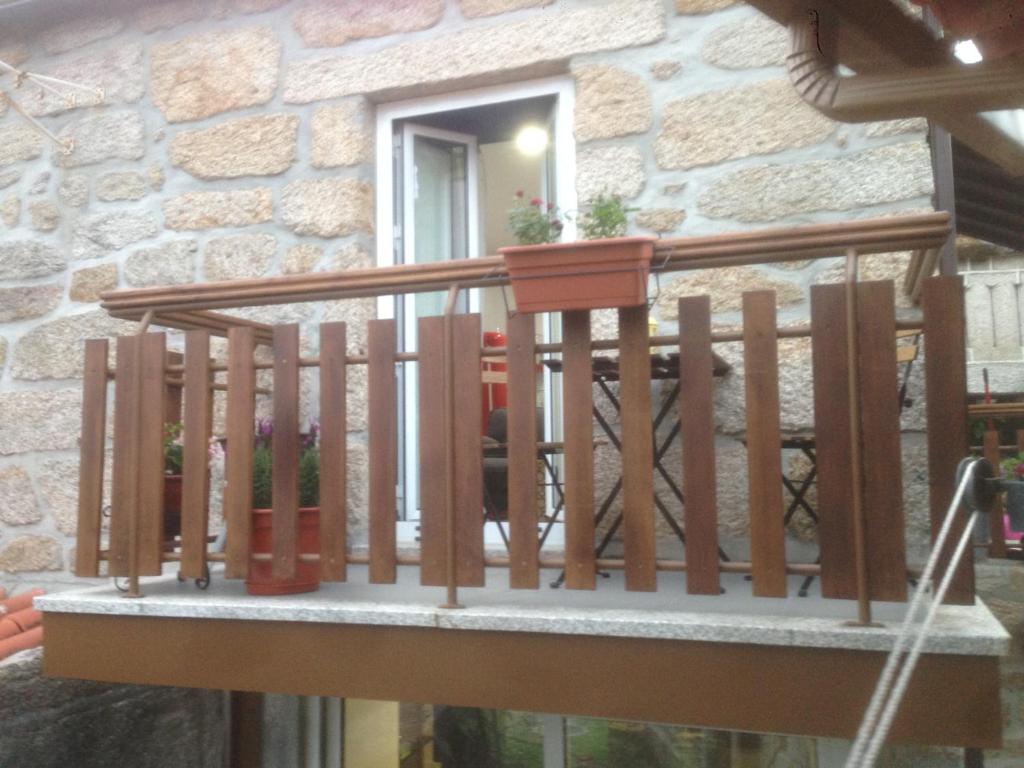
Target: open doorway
[448, 169]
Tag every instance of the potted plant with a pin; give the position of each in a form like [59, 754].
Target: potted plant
[605, 270]
[261, 580]
[172, 479]
[1013, 469]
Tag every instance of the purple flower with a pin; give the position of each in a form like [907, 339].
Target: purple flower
[264, 431]
[309, 440]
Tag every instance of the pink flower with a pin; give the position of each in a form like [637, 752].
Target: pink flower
[520, 194]
[535, 202]
[551, 206]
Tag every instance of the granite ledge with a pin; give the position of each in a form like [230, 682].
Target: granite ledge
[958, 630]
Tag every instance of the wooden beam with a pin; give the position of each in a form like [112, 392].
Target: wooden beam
[760, 688]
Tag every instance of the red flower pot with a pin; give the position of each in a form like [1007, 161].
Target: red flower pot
[261, 579]
[172, 506]
[587, 274]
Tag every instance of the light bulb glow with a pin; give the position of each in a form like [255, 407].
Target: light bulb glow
[531, 140]
[967, 52]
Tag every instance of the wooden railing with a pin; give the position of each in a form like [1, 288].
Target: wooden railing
[876, 569]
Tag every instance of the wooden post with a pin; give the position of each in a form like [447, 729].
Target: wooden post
[451, 540]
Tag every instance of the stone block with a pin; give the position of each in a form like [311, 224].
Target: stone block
[212, 72]
[496, 53]
[107, 135]
[238, 256]
[209, 209]
[756, 41]
[24, 259]
[17, 499]
[44, 215]
[660, 219]
[342, 135]
[616, 170]
[27, 301]
[261, 145]
[118, 70]
[164, 15]
[10, 210]
[87, 284]
[55, 349]
[330, 23]
[47, 420]
[74, 191]
[19, 142]
[726, 125]
[665, 69]
[610, 102]
[330, 207]
[687, 7]
[31, 553]
[301, 258]
[771, 192]
[121, 185]
[80, 31]
[103, 233]
[168, 264]
[474, 9]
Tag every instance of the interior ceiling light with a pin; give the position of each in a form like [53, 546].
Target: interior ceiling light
[531, 140]
[967, 52]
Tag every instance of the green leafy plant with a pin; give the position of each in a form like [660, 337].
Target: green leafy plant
[263, 466]
[534, 222]
[173, 448]
[1013, 467]
[605, 218]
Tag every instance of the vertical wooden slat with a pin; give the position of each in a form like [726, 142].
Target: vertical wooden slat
[151, 456]
[697, 425]
[91, 457]
[122, 500]
[764, 458]
[883, 494]
[832, 441]
[637, 449]
[880, 437]
[577, 427]
[522, 452]
[945, 374]
[430, 372]
[469, 488]
[285, 462]
[241, 407]
[333, 447]
[997, 536]
[195, 475]
[382, 443]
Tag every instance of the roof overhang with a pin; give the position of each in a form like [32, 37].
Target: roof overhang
[876, 38]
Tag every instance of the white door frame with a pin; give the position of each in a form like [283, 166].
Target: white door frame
[563, 88]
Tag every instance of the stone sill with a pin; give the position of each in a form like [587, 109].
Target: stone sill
[608, 611]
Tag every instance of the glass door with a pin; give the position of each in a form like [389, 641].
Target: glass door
[437, 221]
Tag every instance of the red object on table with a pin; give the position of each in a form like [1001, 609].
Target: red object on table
[494, 395]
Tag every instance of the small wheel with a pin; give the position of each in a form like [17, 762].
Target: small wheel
[181, 577]
[204, 582]
[118, 586]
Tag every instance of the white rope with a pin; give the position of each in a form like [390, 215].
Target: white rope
[908, 668]
[882, 690]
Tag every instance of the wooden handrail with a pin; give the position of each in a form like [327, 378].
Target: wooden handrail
[188, 306]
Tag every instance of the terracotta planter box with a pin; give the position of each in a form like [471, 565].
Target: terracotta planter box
[587, 274]
[261, 579]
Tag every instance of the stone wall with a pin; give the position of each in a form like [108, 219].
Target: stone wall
[48, 723]
[237, 141]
